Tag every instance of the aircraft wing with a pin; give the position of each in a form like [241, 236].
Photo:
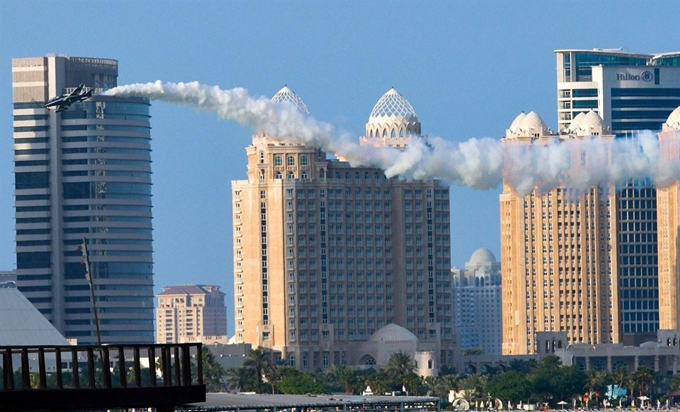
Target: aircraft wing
[55, 101]
[77, 90]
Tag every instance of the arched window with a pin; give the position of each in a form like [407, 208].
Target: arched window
[303, 175]
[367, 360]
[322, 173]
[366, 176]
[303, 160]
[278, 160]
[262, 176]
[290, 175]
[290, 161]
[430, 364]
[346, 176]
[261, 156]
[277, 175]
[393, 134]
[401, 132]
[384, 133]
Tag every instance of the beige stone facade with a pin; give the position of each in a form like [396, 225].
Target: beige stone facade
[558, 254]
[668, 213]
[191, 313]
[326, 254]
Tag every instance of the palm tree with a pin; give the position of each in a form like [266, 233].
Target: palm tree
[452, 382]
[258, 360]
[343, 377]
[239, 378]
[644, 378]
[399, 365]
[596, 381]
[621, 379]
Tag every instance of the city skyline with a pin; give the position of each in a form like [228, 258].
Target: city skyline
[453, 85]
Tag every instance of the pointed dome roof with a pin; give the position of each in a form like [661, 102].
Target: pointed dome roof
[392, 333]
[288, 95]
[591, 121]
[482, 255]
[532, 122]
[393, 105]
[575, 122]
[517, 122]
[674, 119]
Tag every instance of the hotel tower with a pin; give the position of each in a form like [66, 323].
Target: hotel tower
[558, 251]
[616, 277]
[326, 254]
[83, 173]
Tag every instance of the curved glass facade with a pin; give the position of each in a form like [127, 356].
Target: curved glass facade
[85, 173]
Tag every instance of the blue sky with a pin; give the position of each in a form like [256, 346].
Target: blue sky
[468, 68]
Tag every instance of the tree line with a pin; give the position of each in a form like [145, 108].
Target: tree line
[545, 382]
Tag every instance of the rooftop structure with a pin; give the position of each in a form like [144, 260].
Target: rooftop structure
[191, 313]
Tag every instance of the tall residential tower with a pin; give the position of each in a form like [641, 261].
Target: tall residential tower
[631, 92]
[477, 304]
[558, 250]
[83, 173]
[326, 254]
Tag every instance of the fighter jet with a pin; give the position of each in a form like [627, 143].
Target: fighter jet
[64, 101]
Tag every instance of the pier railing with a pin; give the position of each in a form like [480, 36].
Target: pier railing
[104, 376]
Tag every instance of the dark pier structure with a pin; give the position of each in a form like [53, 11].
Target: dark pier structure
[163, 377]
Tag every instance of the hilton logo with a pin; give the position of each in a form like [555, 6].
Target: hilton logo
[645, 76]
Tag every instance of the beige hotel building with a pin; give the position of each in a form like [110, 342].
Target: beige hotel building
[326, 254]
[191, 313]
[558, 252]
[668, 212]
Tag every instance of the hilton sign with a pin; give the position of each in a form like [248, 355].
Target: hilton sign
[646, 76]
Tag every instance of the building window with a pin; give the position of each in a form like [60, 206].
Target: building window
[290, 161]
[278, 160]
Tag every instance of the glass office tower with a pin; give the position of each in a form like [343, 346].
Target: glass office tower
[84, 173]
[631, 92]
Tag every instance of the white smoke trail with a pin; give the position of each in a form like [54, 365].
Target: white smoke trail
[476, 163]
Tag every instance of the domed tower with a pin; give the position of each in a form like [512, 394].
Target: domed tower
[270, 157]
[289, 96]
[540, 229]
[393, 122]
[668, 213]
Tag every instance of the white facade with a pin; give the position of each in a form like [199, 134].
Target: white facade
[477, 303]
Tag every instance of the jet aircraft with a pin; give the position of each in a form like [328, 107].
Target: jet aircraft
[64, 101]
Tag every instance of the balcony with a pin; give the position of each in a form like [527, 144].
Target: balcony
[101, 377]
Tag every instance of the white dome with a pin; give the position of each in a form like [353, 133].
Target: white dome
[392, 105]
[591, 121]
[287, 95]
[392, 333]
[517, 122]
[482, 255]
[532, 123]
[674, 119]
[575, 122]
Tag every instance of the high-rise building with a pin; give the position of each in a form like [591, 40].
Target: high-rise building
[668, 212]
[631, 92]
[191, 313]
[477, 303]
[83, 173]
[558, 251]
[326, 254]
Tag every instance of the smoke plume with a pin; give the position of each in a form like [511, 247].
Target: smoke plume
[476, 163]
